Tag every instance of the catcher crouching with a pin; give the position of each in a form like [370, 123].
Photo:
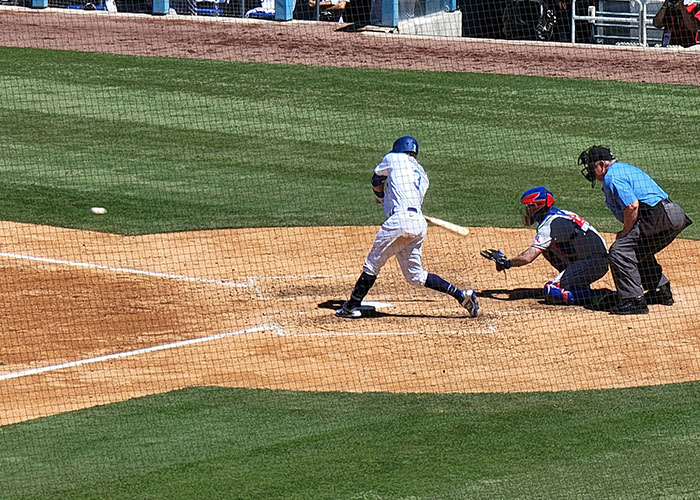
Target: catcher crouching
[568, 242]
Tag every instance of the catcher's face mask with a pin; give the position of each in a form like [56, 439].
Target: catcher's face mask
[534, 204]
[525, 214]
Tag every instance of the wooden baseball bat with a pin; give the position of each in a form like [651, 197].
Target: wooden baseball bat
[461, 230]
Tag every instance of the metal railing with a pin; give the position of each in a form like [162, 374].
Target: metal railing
[640, 20]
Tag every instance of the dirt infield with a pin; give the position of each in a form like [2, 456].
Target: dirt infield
[80, 305]
[91, 318]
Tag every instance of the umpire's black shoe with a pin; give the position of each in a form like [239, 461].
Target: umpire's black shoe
[661, 295]
[637, 305]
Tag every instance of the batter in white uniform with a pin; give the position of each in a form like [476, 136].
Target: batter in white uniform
[399, 184]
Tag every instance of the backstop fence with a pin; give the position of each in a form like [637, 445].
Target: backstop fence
[189, 200]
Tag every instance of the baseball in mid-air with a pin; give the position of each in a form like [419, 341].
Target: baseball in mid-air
[98, 210]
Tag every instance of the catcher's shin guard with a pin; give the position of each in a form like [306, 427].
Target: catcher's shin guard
[554, 294]
[579, 295]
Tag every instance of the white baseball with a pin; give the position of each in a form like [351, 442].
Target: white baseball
[98, 210]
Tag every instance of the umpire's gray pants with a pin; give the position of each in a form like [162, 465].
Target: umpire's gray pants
[633, 257]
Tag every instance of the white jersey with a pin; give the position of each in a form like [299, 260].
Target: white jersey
[404, 230]
[406, 183]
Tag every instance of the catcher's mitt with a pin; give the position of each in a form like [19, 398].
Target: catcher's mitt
[502, 262]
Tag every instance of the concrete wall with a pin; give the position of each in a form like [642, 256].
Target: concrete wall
[438, 24]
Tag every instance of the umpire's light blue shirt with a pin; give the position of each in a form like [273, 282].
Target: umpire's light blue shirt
[624, 184]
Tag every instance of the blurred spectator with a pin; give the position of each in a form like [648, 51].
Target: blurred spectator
[330, 10]
[266, 10]
[530, 20]
[562, 27]
[354, 12]
[544, 20]
[561, 31]
[679, 22]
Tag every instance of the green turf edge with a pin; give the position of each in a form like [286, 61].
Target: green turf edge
[238, 443]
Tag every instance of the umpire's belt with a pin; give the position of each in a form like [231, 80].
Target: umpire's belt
[646, 210]
[400, 209]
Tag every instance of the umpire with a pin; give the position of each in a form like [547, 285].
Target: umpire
[651, 221]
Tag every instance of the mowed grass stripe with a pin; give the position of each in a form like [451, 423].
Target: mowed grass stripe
[281, 145]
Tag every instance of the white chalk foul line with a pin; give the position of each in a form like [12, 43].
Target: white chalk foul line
[146, 350]
[251, 280]
[276, 329]
[126, 270]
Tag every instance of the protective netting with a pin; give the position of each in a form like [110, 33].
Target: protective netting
[234, 160]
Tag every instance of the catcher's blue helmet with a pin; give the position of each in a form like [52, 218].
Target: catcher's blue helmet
[535, 203]
[405, 144]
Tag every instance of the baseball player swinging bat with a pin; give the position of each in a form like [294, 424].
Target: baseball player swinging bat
[461, 230]
[399, 184]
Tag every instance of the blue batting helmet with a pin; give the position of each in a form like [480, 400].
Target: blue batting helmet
[535, 203]
[405, 144]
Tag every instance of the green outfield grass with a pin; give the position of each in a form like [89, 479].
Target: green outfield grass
[172, 144]
[225, 443]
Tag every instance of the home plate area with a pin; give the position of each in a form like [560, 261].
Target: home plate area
[369, 308]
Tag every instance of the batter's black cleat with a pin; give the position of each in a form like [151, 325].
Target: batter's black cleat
[348, 312]
[636, 305]
[467, 299]
[661, 295]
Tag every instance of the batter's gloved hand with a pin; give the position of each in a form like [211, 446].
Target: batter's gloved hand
[502, 262]
[379, 197]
